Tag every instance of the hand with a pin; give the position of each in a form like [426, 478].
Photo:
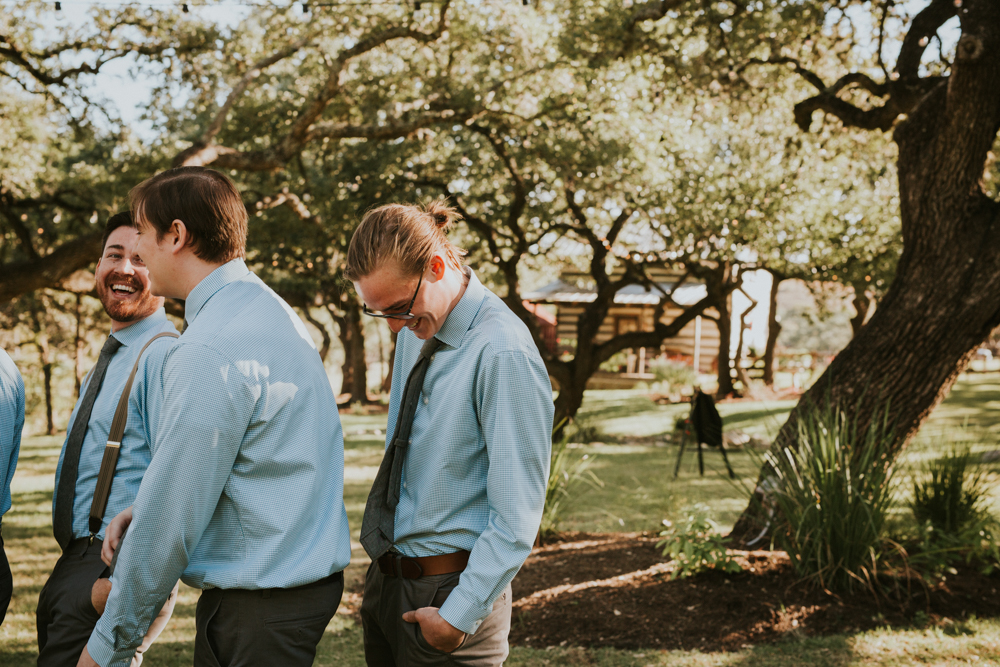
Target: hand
[113, 534]
[99, 594]
[438, 632]
[86, 660]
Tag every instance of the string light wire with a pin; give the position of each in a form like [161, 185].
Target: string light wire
[58, 5]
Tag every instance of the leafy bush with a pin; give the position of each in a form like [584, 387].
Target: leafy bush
[674, 373]
[833, 490]
[949, 501]
[695, 545]
[567, 472]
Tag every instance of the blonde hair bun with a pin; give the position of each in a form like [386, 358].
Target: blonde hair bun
[444, 215]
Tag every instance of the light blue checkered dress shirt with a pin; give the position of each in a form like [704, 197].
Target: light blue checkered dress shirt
[143, 410]
[476, 469]
[11, 424]
[246, 486]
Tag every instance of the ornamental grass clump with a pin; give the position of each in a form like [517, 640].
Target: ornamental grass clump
[833, 489]
[950, 504]
[566, 473]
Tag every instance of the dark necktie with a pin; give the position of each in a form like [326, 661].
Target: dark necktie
[379, 522]
[62, 524]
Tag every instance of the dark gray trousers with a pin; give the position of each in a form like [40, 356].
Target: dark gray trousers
[6, 580]
[392, 642]
[65, 616]
[266, 628]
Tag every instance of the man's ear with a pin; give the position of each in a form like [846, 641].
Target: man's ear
[180, 237]
[437, 267]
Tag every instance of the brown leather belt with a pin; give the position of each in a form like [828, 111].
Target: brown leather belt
[394, 565]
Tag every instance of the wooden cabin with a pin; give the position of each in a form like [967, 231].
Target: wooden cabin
[634, 309]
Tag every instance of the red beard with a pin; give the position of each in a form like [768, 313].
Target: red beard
[126, 311]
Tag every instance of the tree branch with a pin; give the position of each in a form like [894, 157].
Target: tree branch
[18, 278]
[924, 26]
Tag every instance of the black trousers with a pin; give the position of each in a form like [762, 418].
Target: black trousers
[392, 642]
[65, 616]
[265, 628]
[6, 580]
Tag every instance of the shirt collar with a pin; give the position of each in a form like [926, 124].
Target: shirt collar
[459, 320]
[229, 272]
[137, 332]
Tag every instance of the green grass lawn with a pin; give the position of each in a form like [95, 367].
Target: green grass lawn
[636, 467]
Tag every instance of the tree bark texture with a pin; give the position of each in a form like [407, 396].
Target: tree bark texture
[945, 299]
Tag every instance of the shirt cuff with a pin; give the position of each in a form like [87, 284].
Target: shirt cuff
[464, 613]
[105, 655]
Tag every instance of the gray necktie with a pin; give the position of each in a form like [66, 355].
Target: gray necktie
[62, 524]
[379, 522]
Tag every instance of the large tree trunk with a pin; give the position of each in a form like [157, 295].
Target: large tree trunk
[773, 331]
[944, 300]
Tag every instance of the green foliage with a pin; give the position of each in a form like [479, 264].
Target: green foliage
[675, 373]
[949, 503]
[833, 489]
[695, 545]
[568, 471]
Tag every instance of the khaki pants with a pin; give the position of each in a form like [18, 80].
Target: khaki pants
[392, 642]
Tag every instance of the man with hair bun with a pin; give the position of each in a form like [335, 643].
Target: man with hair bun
[458, 498]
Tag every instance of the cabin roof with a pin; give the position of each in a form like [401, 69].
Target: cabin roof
[565, 291]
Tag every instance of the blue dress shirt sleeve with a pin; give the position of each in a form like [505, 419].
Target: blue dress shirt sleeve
[514, 407]
[207, 406]
[11, 425]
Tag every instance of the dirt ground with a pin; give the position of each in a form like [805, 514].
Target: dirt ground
[613, 589]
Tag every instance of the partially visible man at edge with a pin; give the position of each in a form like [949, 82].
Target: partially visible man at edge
[458, 499]
[11, 424]
[65, 616]
[244, 495]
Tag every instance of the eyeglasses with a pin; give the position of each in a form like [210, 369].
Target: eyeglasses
[399, 315]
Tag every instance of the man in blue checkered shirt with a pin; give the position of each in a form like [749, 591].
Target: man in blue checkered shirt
[458, 500]
[244, 494]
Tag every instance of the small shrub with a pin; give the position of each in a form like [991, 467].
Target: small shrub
[676, 374]
[695, 545]
[949, 503]
[833, 490]
[582, 431]
[566, 473]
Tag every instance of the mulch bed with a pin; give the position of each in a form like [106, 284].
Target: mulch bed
[613, 589]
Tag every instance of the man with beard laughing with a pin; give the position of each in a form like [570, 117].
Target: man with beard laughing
[66, 616]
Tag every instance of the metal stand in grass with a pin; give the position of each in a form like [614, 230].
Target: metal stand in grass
[704, 425]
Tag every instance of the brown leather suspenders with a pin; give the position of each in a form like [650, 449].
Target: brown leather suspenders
[110, 460]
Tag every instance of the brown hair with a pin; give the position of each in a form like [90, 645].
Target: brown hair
[122, 219]
[205, 200]
[405, 234]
